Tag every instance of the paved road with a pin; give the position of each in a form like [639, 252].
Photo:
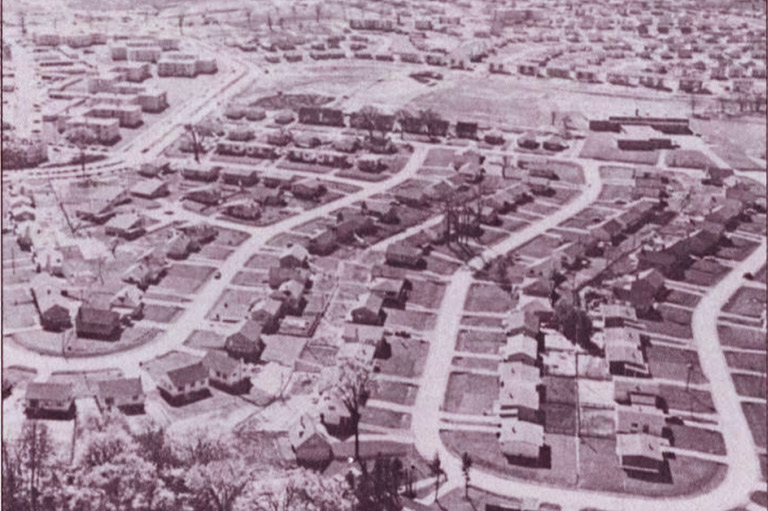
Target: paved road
[195, 311]
[744, 474]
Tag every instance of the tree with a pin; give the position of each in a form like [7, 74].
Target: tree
[430, 119]
[574, 323]
[379, 489]
[466, 464]
[196, 134]
[219, 484]
[436, 468]
[269, 22]
[181, 23]
[403, 117]
[368, 119]
[299, 489]
[318, 11]
[248, 15]
[81, 138]
[35, 465]
[351, 383]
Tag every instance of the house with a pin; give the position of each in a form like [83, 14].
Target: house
[240, 176]
[149, 270]
[268, 312]
[351, 226]
[96, 323]
[528, 141]
[291, 293]
[185, 383]
[52, 307]
[309, 189]
[309, 444]
[606, 231]
[278, 275]
[369, 310]
[324, 243]
[641, 452]
[520, 399]
[127, 225]
[248, 210]
[49, 399]
[521, 322]
[208, 196]
[521, 441]
[641, 419]
[198, 172]
[646, 289]
[414, 196]
[466, 130]
[622, 335]
[626, 359]
[402, 254]
[636, 392]
[386, 213]
[555, 143]
[128, 302]
[522, 348]
[246, 344]
[371, 163]
[335, 416]
[321, 116]
[224, 371]
[295, 256]
[150, 188]
[125, 394]
[365, 334]
[268, 196]
[180, 246]
[393, 291]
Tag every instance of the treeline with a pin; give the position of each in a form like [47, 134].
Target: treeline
[114, 469]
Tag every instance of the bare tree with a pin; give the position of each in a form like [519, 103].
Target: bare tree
[436, 468]
[181, 23]
[81, 138]
[196, 134]
[466, 465]
[403, 117]
[368, 119]
[248, 15]
[351, 383]
[318, 11]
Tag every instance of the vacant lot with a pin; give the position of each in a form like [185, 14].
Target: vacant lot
[417, 320]
[747, 301]
[560, 465]
[385, 418]
[746, 361]
[539, 247]
[263, 261]
[427, 294]
[741, 337]
[480, 341]
[475, 363]
[750, 385]
[560, 390]
[672, 363]
[698, 439]
[682, 298]
[487, 298]
[395, 392]
[756, 415]
[407, 358]
[471, 393]
[688, 158]
[205, 340]
[161, 313]
[692, 400]
[85, 384]
[560, 419]
[439, 157]
[186, 278]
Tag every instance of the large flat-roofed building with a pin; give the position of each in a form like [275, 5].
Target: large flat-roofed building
[106, 130]
[128, 116]
[185, 65]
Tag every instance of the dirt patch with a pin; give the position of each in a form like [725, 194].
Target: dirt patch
[471, 393]
[290, 101]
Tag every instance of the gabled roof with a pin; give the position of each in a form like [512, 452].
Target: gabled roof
[521, 393]
[185, 375]
[640, 444]
[220, 362]
[49, 391]
[120, 387]
[510, 372]
[95, 316]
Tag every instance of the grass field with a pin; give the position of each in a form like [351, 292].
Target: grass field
[741, 337]
[672, 363]
[408, 357]
[750, 385]
[747, 301]
[480, 341]
[487, 298]
[756, 418]
[747, 361]
[470, 393]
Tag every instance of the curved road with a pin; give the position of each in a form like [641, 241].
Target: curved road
[743, 475]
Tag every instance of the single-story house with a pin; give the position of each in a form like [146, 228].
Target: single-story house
[402, 254]
[185, 383]
[127, 225]
[223, 371]
[521, 347]
[246, 344]
[123, 393]
[150, 188]
[97, 323]
[309, 444]
[641, 452]
[640, 419]
[268, 312]
[294, 256]
[369, 310]
[49, 398]
[393, 291]
[521, 440]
